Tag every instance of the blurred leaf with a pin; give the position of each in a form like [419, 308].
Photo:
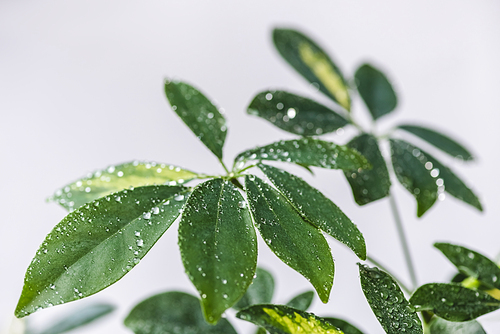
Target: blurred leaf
[472, 263]
[307, 151]
[97, 244]
[218, 245]
[173, 312]
[307, 58]
[301, 301]
[343, 325]
[441, 326]
[439, 140]
[259, 292]
[280, 319]
[368, 185]
[116, 178]
[79, 318]
[295, 114]
[375, 90]
[317, 209]
[388, 302]
[453, 302]
[296, 242]
[202, 117]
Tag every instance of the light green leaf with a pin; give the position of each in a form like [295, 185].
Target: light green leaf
[307, 58]
[218, 245]
[199, 114]
[453, 302]
[259, 292]
[295, 114]
[173, 312]
[296, 242]
[388, 302]
[301, 301]
[440, 141]
[317, 209]
[116, 178]
[97, 244]
[280, 319]
[375, 90]
[343, 325]
[441, 326]
[368, 185]
[472, 264]
[308, 151]
[78, 318]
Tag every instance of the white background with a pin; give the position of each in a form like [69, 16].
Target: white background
[81, 88]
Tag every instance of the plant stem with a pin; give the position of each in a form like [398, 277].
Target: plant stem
[381, 266]
[404, 241]
[223, 165]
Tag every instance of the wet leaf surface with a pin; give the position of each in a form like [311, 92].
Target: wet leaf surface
[388, 302]
[199, 114]
[296, 242]
[441, 326]
[173, 312]
[343, 325]
[97, 244]
[453, 302]
[295, 114]
[317, 208]
[218, 245]
[301, 301]
[259, 292]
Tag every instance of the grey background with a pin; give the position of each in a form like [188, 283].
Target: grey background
[81, 88]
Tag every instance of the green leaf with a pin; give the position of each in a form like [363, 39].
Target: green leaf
[441, 326]
[453, 302]
[343, 325]
[372, 184]
[97, 244]
[116, 178]
[375, 90]
[199, 114]
[409, 165]
[280, 319]
[296, 242]
[78, 318]
[295, 114]
[307, 151]
[259, 292]
[218, 245]
[173, 312]
[472, 264]
[301, 301]
[440, 141]
[388, 302]
[307, 58]
[317, 209]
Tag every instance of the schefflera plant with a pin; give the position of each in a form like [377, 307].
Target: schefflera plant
[117, 214]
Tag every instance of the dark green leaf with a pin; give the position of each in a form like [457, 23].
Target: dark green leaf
[439, 140]
[116, 178]
[343, 325]
[259, 292]
[453, 302]
[307, 151]
[307, 58]
[97, 244]
[317, 209]
[202, 117]
[388, 302]
[369, 185]
[261, 330]
[441, 326]
[375, 90]
[409, 164]
[295, 114]
[296, 242]
[173, 312]
[472, 263]
[280, 319]
[78, 318]
[302, 301]
[218, 245]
